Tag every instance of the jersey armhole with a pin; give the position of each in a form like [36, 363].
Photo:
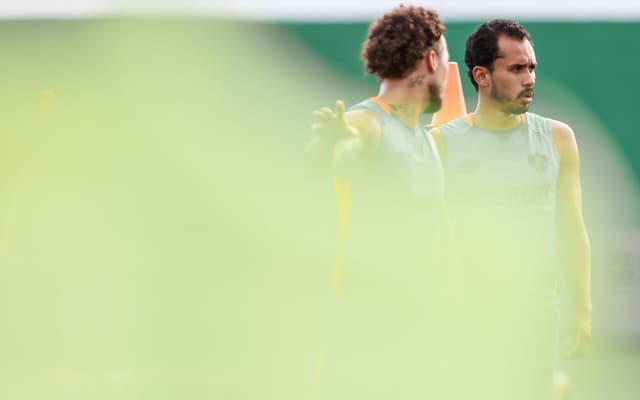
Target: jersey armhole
[549, 126]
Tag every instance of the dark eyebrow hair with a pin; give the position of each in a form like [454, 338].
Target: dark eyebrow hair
[533, 63]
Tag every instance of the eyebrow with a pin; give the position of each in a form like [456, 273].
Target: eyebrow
[533, 63]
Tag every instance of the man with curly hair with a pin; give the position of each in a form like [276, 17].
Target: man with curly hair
[379, 144]
[407, 51]
[385, 330]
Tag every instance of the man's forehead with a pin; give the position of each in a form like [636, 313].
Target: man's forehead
[513, 49]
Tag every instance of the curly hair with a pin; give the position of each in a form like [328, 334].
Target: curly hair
[397, 41]
[482, 45]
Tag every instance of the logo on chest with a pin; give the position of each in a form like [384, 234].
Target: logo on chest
[539, 162]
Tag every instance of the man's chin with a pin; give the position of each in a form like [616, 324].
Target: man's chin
[520, 109]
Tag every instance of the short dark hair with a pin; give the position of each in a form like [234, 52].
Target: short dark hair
[397, 41]
[482, 45]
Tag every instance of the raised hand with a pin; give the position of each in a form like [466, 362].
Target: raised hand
[331, 127]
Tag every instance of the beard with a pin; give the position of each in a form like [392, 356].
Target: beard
[510, 105]
[435, 98]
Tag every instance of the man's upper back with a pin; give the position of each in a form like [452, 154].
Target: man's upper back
[406, 160]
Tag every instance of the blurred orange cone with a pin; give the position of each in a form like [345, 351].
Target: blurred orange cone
[453, 105]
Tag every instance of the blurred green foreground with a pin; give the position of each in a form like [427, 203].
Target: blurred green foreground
[158, 239]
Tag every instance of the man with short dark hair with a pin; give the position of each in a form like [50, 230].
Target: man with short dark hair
[513, 187]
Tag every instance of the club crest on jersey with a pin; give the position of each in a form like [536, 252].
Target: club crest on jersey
[539, 162]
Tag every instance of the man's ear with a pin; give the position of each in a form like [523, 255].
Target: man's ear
[482, 75]
[431, 60]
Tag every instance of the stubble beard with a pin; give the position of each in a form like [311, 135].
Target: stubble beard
[508, 104]
[435, 98]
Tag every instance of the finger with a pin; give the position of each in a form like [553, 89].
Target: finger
[320, 115]
[340, 109]
[327, 112]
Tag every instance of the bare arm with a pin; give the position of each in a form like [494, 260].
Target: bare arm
[574, 248]
[342, 142]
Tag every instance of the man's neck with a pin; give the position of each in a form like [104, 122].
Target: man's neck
[488, 115]
[402, 97]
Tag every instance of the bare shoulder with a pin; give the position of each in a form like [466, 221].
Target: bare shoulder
[564, 139]
[366, 123]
